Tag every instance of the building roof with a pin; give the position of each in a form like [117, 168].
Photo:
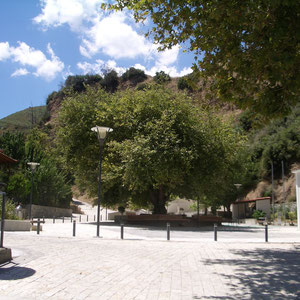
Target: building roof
[4, 159]
[251, 200]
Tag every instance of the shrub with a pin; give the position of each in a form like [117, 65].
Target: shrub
[258, 214]
[110, 81]
[142, 87]
[161, 77]
[134, 76]
[184, 83]
[10, 209]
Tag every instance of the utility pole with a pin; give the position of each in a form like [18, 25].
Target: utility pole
[283, 192]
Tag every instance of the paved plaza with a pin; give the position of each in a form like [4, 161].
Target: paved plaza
[240, 265]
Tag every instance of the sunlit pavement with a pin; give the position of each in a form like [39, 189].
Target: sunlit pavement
[239, 265]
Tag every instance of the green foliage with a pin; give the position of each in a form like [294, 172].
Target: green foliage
[50, 183]
[10, 209]
[134, 76]
[249, 49]
[110, 81]
[50, 187]
[18, 186]
[258, 214]
[22, 121]
[279, 141]
[13, 144]
[183, 84]
[161, 145]
[142, 86]
[161, 77]
[79, 82]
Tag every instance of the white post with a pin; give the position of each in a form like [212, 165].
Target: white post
[297, 172]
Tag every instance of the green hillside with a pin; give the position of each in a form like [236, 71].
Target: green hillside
[22, 120]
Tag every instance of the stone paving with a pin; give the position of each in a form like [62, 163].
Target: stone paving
[55, 265]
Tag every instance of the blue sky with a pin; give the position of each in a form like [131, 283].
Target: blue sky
[44, 41]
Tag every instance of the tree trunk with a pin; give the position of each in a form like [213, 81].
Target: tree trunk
[158, 199]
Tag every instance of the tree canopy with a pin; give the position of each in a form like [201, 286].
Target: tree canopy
[249, 50]
[162, 146]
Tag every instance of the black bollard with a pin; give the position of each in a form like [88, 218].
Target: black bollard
[38, 226]
[87, 218]
[2, 219]
[53, 219]
[63, 219]
[168, 231]
[215, 232]
[122, 231]
[266, 233]
[43, 219]
[74, 227]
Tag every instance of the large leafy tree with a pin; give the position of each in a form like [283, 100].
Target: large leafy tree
[249, 49]
[162, 145]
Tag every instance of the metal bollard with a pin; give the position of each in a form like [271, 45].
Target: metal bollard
[266, 233]
[122, 231]
[38, 226]
[63, 219]
[215, 232]
[74, 227]
[168, 231]
[43, 219]
[87, 218]
[53, 219]
[2, 219]
[80, 218]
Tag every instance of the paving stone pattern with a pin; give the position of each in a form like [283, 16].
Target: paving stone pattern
[65, 267]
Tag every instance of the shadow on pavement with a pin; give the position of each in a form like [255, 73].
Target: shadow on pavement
[15, 272]
[179, 228]
[262, 274]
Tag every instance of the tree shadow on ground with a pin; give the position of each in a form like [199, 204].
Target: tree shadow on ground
[262, 274]
[179, 228]
[12, 271]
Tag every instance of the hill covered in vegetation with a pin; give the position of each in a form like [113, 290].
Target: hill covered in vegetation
[23, 120]
[264, 143]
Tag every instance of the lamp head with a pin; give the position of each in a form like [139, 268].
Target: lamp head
[237, 185]
[33, 165]
[102, 132]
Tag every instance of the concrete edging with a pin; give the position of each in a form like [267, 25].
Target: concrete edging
[5, 255]
[17, 225]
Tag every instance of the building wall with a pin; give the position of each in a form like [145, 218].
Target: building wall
[39, 211]
[264, 205]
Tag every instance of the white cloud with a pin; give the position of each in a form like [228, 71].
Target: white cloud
[20, 72]
[72, 12]
[27, 56]
[4, 51]
[112, 36]
[99, 67]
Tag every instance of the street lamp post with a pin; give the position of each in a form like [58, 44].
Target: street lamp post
[102, 134]
[33, 166]
[238, 185]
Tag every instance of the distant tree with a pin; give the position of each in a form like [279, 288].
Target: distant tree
[78, 82]
[161, 77]
[162, 145]
[110, 81]
[134, 76]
